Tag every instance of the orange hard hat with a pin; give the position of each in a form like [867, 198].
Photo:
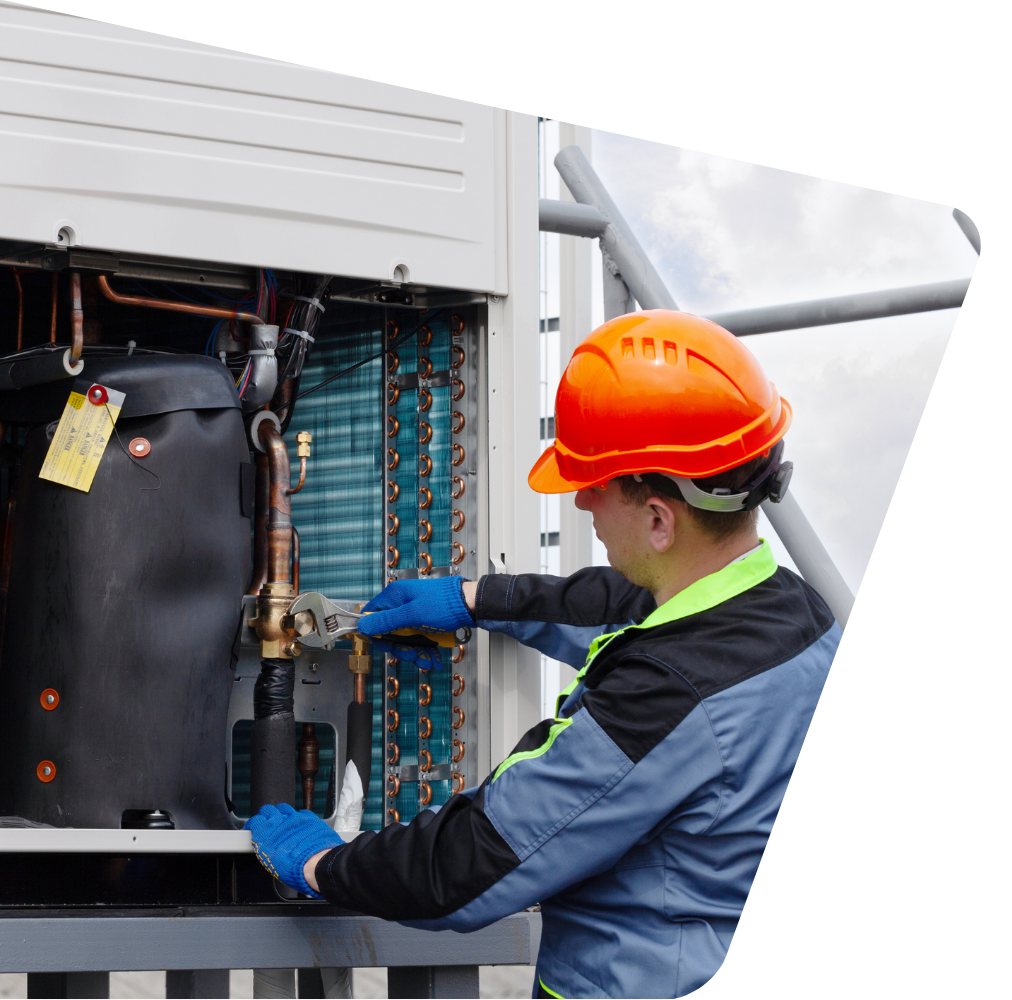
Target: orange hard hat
[659, 391]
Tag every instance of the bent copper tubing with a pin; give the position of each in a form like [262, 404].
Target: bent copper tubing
[459, 519]
[424, 755]
[456, 783]
[393, 686]
[295, 565]
[458, 488]
[424, 694]
[458, 655]
[457, 397]
[458, 549]
[395, 753]
[393, 492]
[395, 814]
[279, 521]
[424, 337]
[424, 727]
[425, 400]
[292, 490]
[396, 716]
[52, 321]
[425, 796]
[458, 455]
[458, 756]
[427, 559]
[395, 785]
[395, 524]
[261, 508]
[426, 497]
[169, 306]
[458, 717]
[458, 421]
[395, 556]
[392, 388]
[458, 690]
[76, 319]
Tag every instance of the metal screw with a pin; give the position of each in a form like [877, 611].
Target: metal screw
[314, 667]
[49, 700]
[47, 770]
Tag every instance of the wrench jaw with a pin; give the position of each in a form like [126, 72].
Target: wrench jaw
[328, 620]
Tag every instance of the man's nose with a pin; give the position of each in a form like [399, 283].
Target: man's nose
[583, 499]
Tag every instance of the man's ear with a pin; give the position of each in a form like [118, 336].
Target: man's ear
[662, 523]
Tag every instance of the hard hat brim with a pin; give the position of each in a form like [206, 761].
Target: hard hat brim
[548, 475]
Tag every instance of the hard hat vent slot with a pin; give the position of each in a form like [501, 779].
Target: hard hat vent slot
[648, 348]
[670, 353]
[627, 347]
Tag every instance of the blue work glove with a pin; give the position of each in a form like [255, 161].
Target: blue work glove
[285, 840]
[424, 657]
[433, 604]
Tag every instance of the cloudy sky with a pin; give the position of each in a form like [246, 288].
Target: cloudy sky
[729, 235]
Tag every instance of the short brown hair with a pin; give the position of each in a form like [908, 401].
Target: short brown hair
[719, 525]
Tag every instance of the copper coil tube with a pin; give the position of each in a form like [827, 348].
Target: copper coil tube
[393, 459]
[395, 524]
[392, 660]
[426, 497]
[424, 465]
[53, 295]
[424, 432]
[424, 337]
[393, 393]
[457, 421]
[427, 559]
[424, 530]
[458, 524]
[424, 727]
[459, 689]
[392, 330]
[459, 755]
[425, 793]
[172, 306]
[297, 488]
[394, 753]
[309, 762]
[261, 513]
[393, 686]
[458, 654]
[392, 713]
[296, 558]
[395, 785]
[395, 814]
[456, 783]
[424, 367]
[458, 717]
[458, 488]
[457, 349]
[393, 492]
[393, 426]
[279, 522]
[77, 317]
[424, 400]
[457, 548]
[458, 455]
[393, 362]
[427, 757]
[424, 694]
[390, 579]
[457, 396]
[459, 328]
[395, 556]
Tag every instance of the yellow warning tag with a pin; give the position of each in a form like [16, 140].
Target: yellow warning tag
[80, 439]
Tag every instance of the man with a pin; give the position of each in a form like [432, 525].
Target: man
[637, 816]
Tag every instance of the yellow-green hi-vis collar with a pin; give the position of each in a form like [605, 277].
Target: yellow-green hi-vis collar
[702, 595]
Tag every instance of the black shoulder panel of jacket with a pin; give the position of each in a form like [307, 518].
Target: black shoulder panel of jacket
[423, 870]
[597, 595]
[643, 683]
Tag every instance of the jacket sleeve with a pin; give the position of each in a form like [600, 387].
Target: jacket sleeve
[560, 616]
[569, 802]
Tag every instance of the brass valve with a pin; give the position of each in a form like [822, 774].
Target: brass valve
[304, 439]
[359, 661]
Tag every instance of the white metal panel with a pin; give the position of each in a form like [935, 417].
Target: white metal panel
[142, 143]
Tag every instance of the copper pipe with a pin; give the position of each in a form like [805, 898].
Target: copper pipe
[292, 490]
[427, 765]
[262, 503]
[360, 689]
[458, 421]
[424, 727]
[424, 530]
[52, 321]
[425, 796]
[458, 717]
[424, 337]
[170, 306]
[459, 519]
[456, 783]
[309, 762]
[458, 756]
[460, 351]
[425, 400]
[21, 307]
[458, 688]
[395, 814]
[458, 455]
[395, 785]
[393, 686]
[426, 497]
[393, 393]
[76, 319]
[427, 559]
[295, 562]
[457, 396]
[395, 524]
[458, 551]
[393, 492]
[395, 753]
[396, 716]
[458, 655]
[424, 694]
[395, 556]
[424, 367]
[458, 488]
[279, 521]
[458, 329]
[424, 432]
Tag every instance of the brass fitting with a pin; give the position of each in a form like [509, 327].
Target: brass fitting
[359, 661]
[275, 628]
[304, 439]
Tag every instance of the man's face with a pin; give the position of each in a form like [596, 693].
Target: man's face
[624, 528]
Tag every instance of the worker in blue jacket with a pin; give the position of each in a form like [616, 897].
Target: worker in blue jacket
[637, 816]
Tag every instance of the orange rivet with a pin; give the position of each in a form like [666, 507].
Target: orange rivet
[140, 447]
[49, 699]
[46, 770]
